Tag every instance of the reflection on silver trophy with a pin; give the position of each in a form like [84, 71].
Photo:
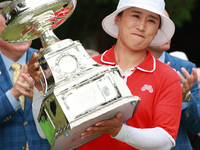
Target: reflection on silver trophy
[78, 92]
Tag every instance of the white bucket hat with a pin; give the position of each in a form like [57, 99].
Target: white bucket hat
[167, 27]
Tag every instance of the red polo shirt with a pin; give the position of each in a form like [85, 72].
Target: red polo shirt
[158, 86]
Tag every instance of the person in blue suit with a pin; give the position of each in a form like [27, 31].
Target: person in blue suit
[17, 126]
[190, 118]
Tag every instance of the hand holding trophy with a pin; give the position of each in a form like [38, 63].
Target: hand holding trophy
[78, 92]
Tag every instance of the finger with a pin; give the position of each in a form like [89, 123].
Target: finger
[194, 74]
[34, 73]
[22, 85]
[186, 73]
[92, 131]
[41, 49]
[25, 93]
[86, 135]
[25, 88]
[28, 79]
[168, 63]
[35, 66]
[183, 80]
[105, 122]
[32, 60]
[25, 69]
[119, 116]
[101, 123]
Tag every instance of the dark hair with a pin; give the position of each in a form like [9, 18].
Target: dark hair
[120, 14]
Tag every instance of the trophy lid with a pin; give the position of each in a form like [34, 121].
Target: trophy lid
[29, 19]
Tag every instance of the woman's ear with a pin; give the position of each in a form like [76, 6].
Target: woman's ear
[117, 20]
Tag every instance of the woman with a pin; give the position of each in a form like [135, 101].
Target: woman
[137, 24]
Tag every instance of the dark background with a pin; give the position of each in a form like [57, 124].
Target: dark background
[187, 38]
[85, 25]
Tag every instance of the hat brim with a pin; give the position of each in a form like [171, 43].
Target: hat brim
[163, 35]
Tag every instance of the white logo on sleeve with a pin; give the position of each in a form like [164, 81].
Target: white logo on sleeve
[148, 88]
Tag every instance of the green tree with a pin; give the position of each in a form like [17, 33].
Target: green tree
[180, 10]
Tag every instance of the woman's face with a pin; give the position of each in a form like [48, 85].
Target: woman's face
[137, 28]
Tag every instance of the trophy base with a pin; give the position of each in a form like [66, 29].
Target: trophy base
[72, 138]
[78, 92]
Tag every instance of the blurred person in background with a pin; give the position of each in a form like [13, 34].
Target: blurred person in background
[198, 76]
[179, 54]
[190, 118]
[195, 138]
[17, 126]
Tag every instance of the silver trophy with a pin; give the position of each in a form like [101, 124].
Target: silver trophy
[78, 92]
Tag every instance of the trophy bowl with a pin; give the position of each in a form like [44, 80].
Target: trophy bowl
[77, 91]
[29, 19]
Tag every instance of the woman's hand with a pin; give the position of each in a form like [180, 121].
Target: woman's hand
[111, 127]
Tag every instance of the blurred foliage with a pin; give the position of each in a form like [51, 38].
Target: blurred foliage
[180, 10]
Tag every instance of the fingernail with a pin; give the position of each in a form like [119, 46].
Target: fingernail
[82, 134]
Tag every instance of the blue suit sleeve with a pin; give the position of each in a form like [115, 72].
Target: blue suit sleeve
[15, 104]
[191, 115]
[6, 108]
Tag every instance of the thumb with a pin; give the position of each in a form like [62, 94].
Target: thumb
[119, 115]
[168, 63]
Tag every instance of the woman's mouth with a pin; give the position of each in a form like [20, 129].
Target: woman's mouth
[138, 35]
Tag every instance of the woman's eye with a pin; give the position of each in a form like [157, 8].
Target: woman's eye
[136, 16]
[152, 21]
